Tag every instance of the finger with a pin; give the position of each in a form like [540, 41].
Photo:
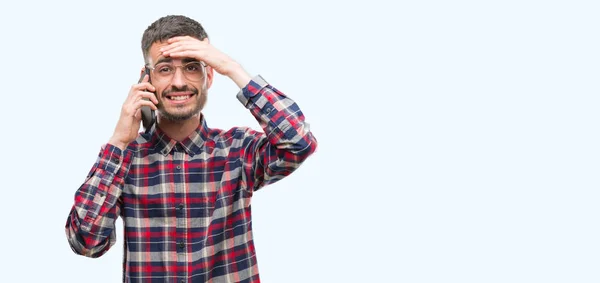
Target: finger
[145, 79]
[172, 49]
[146, 86]
[137, 95]
[133, 108]
[147, 95]
[177, 46]
[143, 102]
[143, 84]
[138, 114]
[179, 38]
[185, 40]
[173, 39]
[169, 46]
[186, 54]
[182, 54]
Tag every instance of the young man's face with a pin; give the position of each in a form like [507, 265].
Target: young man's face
[181, 84]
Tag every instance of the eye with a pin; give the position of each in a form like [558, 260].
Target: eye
[164, 69]
[193, 67]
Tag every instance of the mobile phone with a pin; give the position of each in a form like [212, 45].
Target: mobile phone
[148, 115]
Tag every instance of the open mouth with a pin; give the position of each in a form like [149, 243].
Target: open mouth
[179, 97]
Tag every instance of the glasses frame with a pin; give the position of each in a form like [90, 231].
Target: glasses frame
[158, 77]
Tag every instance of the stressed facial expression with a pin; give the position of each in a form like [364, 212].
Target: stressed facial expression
[181, 84]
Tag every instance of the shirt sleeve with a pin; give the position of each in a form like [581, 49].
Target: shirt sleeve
[90, 227]
[287, 140]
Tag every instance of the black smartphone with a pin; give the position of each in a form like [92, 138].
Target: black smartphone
[148, 115]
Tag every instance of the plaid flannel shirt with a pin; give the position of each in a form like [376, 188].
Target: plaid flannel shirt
[186, 205]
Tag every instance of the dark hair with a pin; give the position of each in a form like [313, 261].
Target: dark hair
[170, 26]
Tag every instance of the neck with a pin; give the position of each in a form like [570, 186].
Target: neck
[179, 130]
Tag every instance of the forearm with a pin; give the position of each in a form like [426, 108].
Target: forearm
[237, 74]
[94, 242]
[115, 142]
[279, 116]
[90, 225]
[288, 140]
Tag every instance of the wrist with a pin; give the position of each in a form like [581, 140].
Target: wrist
[115, 142]
[238, 75]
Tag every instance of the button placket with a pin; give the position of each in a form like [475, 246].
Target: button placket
[179, 175]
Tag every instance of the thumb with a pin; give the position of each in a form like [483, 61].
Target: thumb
[138, 114]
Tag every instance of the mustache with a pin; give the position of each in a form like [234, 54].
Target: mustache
[179, 89]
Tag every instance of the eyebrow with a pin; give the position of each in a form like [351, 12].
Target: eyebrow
[169, 60]
[187, 60]
[163, 60]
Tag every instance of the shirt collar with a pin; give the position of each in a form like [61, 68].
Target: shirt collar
[191, 145]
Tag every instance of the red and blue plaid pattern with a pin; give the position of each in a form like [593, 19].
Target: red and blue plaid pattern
[186, 205]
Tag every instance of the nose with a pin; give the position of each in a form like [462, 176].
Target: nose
[178, 78]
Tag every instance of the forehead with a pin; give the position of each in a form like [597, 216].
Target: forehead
[154, 52]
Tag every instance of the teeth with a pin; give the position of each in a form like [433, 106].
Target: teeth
[180, 97]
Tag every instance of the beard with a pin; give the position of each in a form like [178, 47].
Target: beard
[178, 116]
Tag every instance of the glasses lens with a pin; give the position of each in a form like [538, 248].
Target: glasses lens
[192, 71]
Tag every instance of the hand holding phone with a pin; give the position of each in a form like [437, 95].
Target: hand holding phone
[141, 95]
[148, 114]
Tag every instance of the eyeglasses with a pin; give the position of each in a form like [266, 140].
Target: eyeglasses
[193, 71]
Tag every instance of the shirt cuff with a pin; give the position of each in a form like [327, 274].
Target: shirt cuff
[111, 165]
[251, 89]
[111, 159]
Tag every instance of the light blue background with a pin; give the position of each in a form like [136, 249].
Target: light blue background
[458, 140]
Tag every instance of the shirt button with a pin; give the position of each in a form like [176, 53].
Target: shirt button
[181, 245]
[182, 281]
[180, 206]
[178, 167]
[115, 160]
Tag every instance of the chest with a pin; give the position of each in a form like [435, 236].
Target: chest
[165, 185]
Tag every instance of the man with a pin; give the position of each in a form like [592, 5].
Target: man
[183, 189]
